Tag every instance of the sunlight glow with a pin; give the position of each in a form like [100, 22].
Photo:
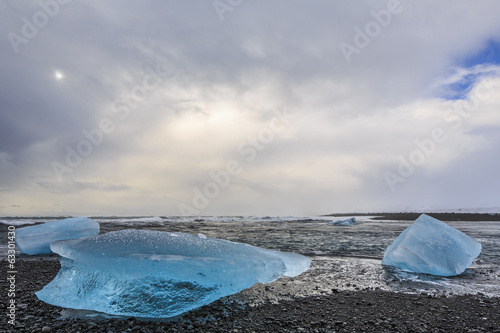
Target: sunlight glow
[59, 75]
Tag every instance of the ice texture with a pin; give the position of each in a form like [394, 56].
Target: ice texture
[155, 274]
[36, 239]
[345, 222]
[432, 247]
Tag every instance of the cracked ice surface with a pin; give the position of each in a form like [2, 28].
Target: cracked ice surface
[156, 274]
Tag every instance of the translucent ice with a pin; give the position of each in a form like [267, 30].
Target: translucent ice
[36, 239]
[156, 274]
[346, 222]
[432, 247]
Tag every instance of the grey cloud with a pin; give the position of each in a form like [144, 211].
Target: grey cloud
[78, 186]
[264, 55]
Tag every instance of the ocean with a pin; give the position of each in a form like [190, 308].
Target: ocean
[343, 257]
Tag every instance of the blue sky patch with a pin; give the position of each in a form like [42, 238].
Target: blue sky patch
[489, 55]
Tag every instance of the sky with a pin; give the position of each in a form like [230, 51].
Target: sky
[237, 107]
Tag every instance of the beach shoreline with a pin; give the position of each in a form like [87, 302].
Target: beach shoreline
[410, 216]
[339, 311]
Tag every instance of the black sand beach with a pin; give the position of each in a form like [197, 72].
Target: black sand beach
[340, 311]
[408, 216]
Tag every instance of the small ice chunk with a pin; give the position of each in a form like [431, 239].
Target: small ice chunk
[155, 274]
[432, 247]
[202, 236]
[345, 222]
[36, 239]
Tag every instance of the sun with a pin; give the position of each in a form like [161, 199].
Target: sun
[58, 75]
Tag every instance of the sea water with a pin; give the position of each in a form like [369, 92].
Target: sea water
[343, 257]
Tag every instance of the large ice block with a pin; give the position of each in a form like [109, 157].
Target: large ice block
[432, 247]
[36, 239]
[156, 274]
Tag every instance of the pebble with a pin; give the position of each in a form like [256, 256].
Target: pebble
[379, 311]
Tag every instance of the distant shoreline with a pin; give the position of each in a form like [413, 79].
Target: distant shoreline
[439, 216]
[404, 216]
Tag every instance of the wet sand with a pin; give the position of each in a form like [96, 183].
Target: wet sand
[339, 311]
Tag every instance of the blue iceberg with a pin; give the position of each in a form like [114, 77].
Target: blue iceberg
[345, 222]
[36, 239]
[432, 247]
[155, 274]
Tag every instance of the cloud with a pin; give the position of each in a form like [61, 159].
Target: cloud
[79, 186]
[458, 84]
[222, 83]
